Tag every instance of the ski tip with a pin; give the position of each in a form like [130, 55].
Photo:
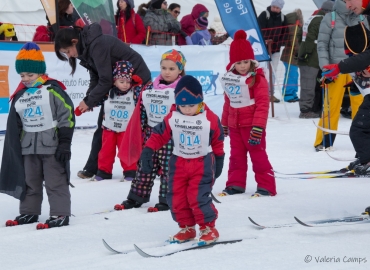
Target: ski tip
[141, 252]
[214, 198]
[255, 223]
[302, 223]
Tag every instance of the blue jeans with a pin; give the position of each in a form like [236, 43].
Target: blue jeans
[291, 88]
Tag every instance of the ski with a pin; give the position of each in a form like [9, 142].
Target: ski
[340, 159]
[335, 221]
[183, 247]
[344, 170]
[331, 130]
[114, 250]
[345, 175]
[259, 226]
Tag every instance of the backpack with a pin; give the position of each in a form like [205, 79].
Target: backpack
[42, 34]
[268, 15]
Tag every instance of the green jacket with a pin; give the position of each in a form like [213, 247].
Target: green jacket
[287, 51]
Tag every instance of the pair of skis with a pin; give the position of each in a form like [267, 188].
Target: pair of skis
[342, 173]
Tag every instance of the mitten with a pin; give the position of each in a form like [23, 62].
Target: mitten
[136, 80]
[255, 136]
[226, 131]
[219, 165]
[146, 160]
[330, 71]
[63, 152]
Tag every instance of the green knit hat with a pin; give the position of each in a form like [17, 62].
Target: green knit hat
[30, 59]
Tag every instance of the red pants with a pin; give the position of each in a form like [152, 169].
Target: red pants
[238, 166]
[107, 154]
[189, 187]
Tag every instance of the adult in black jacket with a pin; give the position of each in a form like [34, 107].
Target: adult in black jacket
[98, 53]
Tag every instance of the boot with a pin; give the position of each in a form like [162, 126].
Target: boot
[185, 234]
[128, 204]
[54, 221]
[85, 174]
[354, 164]
[363, 169]
[159, 207]
[22, 219]
[208, 234]
[128, 176]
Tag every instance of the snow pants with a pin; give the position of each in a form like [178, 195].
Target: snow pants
[290, 90]
[107, 154]
[359, 132]
[308, 84]
[335, 98]
[238, 165]
[40, 168]
[189, 187]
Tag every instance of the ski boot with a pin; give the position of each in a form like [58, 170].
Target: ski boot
[184, 235]
[54, 221]
[128, 204]
[22, 219]
[366, 213]
[159, 207]
[208, 235]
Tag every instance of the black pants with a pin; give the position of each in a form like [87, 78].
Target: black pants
[92, 162]
[360, 131]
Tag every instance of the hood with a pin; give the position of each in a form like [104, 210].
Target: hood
[197, 9]
[340, 7]
[90, 33]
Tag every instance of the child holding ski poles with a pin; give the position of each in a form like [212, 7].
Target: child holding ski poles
[244, 118]
[155, 105]
[37, 146]
[196, 162]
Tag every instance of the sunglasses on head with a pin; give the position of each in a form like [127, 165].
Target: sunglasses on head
[176, 12]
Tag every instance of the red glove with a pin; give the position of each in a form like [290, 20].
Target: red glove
[77, 111]
[330, 71]
[226, 131]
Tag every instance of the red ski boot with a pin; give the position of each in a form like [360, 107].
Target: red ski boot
[185, 234]
[208, 235]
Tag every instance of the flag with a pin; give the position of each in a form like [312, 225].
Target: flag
[236, 15]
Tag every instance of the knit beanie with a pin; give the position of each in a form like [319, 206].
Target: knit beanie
[327, 6]
[188, 91]
[278, 3]
[123, 70]
[30, 59]
[240, 49]
[202, 23]
[175, 56]
[7, 29]
[156, 4]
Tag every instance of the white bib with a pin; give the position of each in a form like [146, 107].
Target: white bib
[158, 104]
[363, 84]
[236, 89]
[305, 27]
[190, 135]
[118, 111]
[34, 110]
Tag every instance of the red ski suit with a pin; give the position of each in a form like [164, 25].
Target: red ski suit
[240, 121]
[191, 179]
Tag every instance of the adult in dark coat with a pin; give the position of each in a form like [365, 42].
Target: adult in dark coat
[97, 53]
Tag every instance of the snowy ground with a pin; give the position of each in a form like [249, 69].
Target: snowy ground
[290, 148]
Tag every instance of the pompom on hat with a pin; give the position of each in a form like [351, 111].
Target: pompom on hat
[240, 49]
[175, 56]
[30, 59]
[188, 91]
[123, 70]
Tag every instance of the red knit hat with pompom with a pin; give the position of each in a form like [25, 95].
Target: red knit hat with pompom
[240, 49]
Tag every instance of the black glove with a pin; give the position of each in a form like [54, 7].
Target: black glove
[304, 57]
[63, 152]
[146, 160]
[219, 165]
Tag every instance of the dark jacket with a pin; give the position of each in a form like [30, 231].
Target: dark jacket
[287, 55]
[357, 62]
[99, 53]
[272, 28]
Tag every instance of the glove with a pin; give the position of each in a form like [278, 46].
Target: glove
[255, 136]
[226, 131]
[136, 80]
[219, 165]
[304, 57]
[327, 80]
[146, 160]
[330, 71]
[63, 152]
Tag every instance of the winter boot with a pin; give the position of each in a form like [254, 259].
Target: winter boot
[208, 234]
[128, 204]
[159, 207]
[101, 175]
[363, 169]
[22, 219]
[261, 193]
[128, 176]
[85, 174]
[354, 164]
[230, 191]
[185, 234]
[54, 221]
[367, 212]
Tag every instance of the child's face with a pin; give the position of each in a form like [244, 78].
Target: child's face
[169, 70]
[189, 110]
[123, 84]
[243, 67]
[28, 77]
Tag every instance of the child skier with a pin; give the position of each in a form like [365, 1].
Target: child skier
[156, 104]
[38, 143]
[244, 118]
[118, 109]
[196, 162]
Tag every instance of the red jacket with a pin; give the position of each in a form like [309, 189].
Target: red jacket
[132, 31]
[187, 22]
[162, 133]
[254, 115]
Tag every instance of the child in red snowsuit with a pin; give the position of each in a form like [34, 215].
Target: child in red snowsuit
[244, 119]
[196, 161]
[118, 109]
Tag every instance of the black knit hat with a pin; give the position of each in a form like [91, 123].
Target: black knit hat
[188, 91]
[157, 4]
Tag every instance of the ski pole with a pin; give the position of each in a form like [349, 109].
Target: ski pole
[328, 105]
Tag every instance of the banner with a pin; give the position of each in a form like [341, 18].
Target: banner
[99, 11]
[206, 63]
[49, 7]
[240, 14]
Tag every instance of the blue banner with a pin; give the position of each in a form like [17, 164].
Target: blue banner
[240, 14]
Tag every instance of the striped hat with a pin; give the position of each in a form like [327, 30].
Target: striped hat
[175, 56]
[30, 59]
